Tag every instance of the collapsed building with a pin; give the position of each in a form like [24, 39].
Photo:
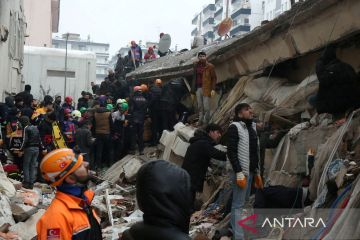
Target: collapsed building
[273, 69]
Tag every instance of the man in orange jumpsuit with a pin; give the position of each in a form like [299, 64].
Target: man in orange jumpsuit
[69, 215]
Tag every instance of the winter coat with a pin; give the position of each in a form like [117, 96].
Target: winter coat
[82, 102]
[138, 107]
[197, 158]
[155, 95]
[164, 196]
[31, 137]
[84, 139]
[339, 85]
[102, 121]
[172, 93]
[26, 96]
[46, 135]
[208, 79]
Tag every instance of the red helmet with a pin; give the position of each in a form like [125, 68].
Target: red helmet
[67, 111]
[137, 88]
[68, 100]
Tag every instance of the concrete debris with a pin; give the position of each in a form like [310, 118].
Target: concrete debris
[28, 197]
[5, 211]
[29, 225]
[136, 216]
[22, 212]
[126, 168]
[6, 187]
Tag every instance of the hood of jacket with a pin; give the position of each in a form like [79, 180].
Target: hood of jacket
[163, 194]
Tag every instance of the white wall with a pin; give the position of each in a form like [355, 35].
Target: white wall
[39, 22]
[11, 48]
[38, 61]
[257, 13]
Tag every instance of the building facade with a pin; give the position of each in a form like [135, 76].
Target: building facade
[12, 37]
[42, 19]
[101, 50]
[274, 8]
[246, 15]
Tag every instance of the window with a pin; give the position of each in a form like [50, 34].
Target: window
[246, 21]
[59, 73]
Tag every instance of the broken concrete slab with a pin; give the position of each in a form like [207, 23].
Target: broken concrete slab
[136, 216]
[29, 225]
[167, 139]
[184, 131]
[5, 211]
[180, 147]
[114, 172]
[130, 169]
[22, 212]
[6, 186]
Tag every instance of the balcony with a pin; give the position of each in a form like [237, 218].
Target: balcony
[240, 28]
[194, 32]
[209, 8]
[208, 21]
[219, 2]
[209, 34]
[240, 11]
[195, 20]
[218, 12]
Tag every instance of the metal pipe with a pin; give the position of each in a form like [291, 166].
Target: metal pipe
[66, 55]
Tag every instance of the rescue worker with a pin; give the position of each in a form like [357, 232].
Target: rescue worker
[138, 108]
[155, 111]
[70, 215]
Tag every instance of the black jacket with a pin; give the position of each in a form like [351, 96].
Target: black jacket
[155, 95]
[138, 107]
[31, 137]
[163, 194]
[82, 102]
[84, 139]
[172, 93]
[197, 158]
[26, 96]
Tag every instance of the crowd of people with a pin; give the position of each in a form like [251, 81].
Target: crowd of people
[103, 126]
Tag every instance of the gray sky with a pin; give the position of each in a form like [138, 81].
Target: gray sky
[119, 21]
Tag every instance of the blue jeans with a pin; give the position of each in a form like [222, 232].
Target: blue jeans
[30, 164]
[240, 196]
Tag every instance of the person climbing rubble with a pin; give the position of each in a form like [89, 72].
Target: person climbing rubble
[163, 194]
[70, 215]
[203, 86]
[199, 153]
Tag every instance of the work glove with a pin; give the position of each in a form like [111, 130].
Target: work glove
[241, 179]
[259, 182]
[212, 93]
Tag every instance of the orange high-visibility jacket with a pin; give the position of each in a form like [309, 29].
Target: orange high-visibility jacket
[65, 218]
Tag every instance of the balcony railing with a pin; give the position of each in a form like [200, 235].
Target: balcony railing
[194, 32]
[208, 21]
[240, 28]
[240, 11]
[218, 12]
[195, 19]
[209, 34]
[208, 8]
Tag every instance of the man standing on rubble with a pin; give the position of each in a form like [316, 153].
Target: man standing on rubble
[242, 151]
[70, 215]
[199, 153]
[203, 86]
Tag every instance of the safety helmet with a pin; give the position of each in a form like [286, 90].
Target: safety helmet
[76, 114]
[67, 111]
[124, 106]
[120, 101]
[83, 109]
[137, 88]
[59, 164]
[144, 87]
[109, 106]
[68, 100]
[158, 82]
